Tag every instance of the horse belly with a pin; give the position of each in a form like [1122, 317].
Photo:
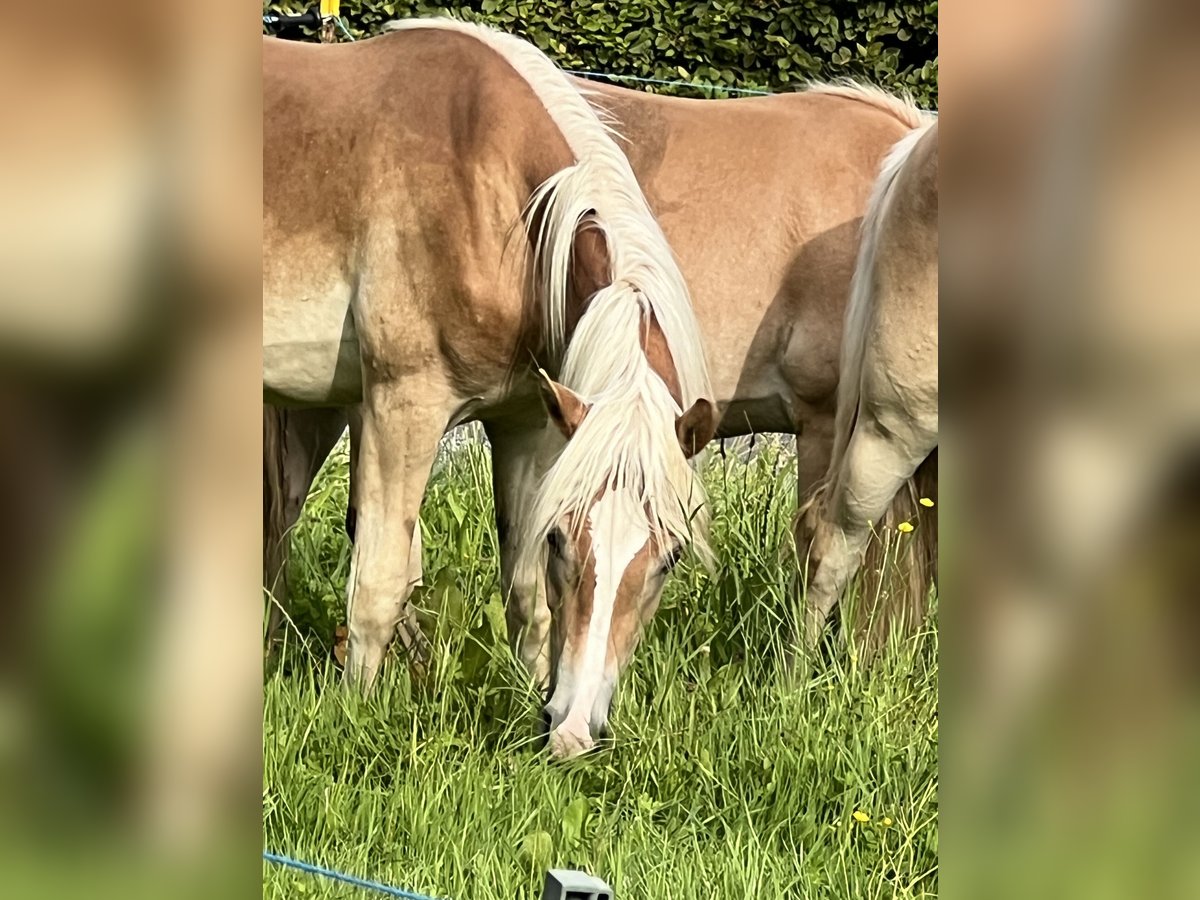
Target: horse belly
[310, 349]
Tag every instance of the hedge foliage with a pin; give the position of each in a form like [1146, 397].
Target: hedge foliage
[764, 44]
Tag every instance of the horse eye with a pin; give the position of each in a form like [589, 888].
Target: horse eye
[554, 539]
[671, 560]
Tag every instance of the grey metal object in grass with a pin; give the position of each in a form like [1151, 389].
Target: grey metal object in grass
[571, 884]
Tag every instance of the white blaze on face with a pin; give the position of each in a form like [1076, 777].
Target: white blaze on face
[618, 528]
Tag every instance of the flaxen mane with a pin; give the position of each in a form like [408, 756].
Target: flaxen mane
[901, 107]
[627, 440]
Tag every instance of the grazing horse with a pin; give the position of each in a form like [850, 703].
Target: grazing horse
[887, 413]
[762, 201]
[398, 174]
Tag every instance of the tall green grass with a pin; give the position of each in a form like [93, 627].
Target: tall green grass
[727, 777]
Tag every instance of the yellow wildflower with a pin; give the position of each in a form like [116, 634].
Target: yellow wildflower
[887, 821]
[926, 502]
[904, 527]
[860, 816]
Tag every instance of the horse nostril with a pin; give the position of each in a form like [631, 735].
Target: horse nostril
[544, 726]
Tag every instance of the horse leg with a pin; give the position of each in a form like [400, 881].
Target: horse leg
[354, 420]
[400, 427]
[527, 614]
[877, 464]
[304, 440]
[814, 443]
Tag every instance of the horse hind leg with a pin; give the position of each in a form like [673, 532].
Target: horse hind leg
[400, 428]
[877, 464]
[296, 443]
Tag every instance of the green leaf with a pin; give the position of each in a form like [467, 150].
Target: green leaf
[456, 507]
[536, 848]
[493, 612]
[573, 819]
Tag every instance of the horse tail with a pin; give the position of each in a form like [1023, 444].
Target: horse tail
[898, 569]
[896, 582]
[275, 542]
[861, 306]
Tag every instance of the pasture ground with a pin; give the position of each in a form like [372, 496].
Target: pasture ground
[727, 778]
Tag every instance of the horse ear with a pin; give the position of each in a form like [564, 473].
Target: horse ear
[566, 408]
[696, 427]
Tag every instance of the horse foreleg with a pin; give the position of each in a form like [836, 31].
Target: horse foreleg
[354, 422]
[527, 614]
[400, 427]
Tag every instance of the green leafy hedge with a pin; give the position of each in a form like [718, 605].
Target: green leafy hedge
[765, 44]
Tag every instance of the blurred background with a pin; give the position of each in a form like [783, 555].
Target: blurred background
[129, 351]
[130, 701]
[1070, 335]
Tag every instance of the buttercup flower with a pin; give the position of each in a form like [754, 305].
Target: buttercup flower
[860, 816]
[904, 527]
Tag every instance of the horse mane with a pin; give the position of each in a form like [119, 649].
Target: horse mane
[628, 438]
[899, 106]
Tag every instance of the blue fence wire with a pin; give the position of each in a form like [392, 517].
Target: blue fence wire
[605, 76]
[334, 875]
[691, 84]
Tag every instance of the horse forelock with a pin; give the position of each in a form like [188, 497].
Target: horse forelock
[627, 441]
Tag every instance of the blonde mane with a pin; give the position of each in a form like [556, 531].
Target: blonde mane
[628, 438]
[900, 106]
[627, 441]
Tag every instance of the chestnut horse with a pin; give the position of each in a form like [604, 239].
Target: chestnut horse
[762, 200]
[441, 204]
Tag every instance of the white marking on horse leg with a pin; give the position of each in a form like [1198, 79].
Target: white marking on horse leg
[528, 618]
[618, 529]
[527, 614]
[875, 467]
[416, 572]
